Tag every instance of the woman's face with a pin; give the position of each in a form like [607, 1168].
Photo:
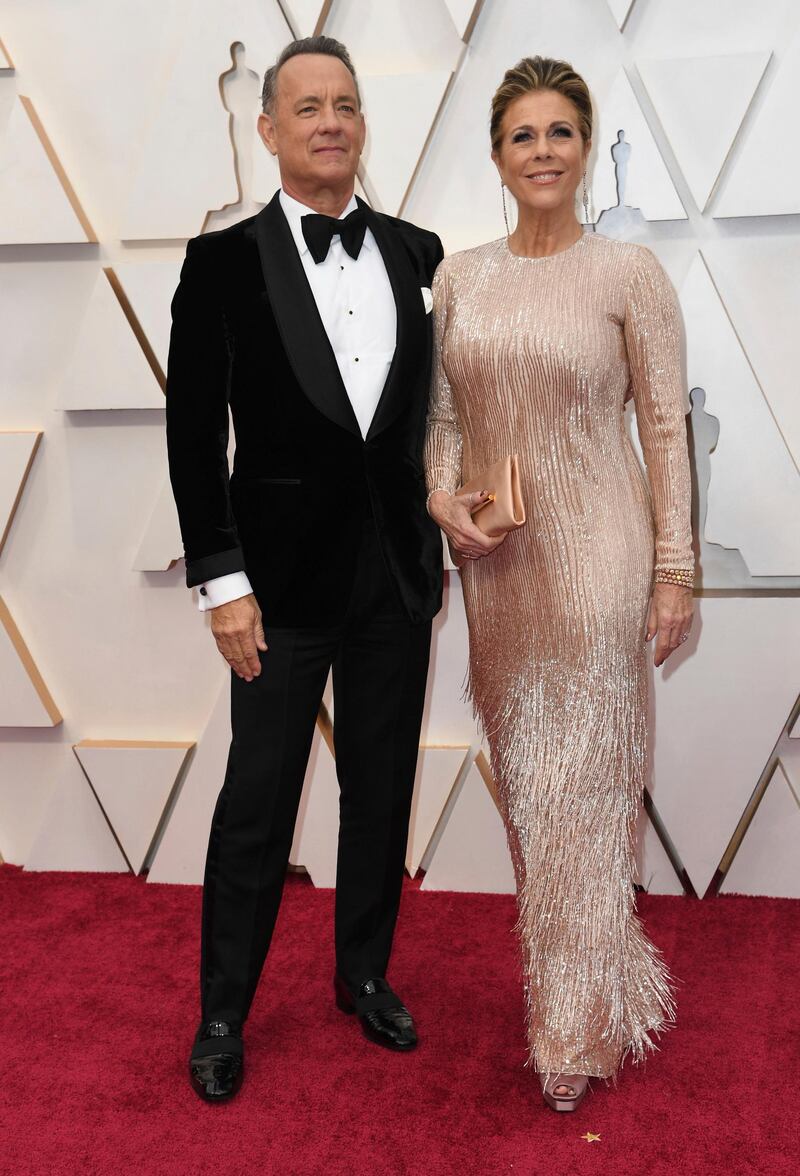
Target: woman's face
[541, 156]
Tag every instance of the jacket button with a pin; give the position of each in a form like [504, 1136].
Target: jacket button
[203, 592]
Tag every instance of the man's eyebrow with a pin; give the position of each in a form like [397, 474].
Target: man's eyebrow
[316, 98]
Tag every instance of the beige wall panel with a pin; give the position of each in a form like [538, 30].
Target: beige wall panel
[768, 859]
[108, 368]
[185, 166]
[648, 185]
[438, 769]
[149, 286]
[161, 544]
[471, 854]
[400, 109]
[464, 14]
[132, 782]
[17, 451]
[74, 834]
[714, 92]
[35, 205]
[416, 36]
[720, 704]
[621, 10]
[745, 191]
[757, 279]
[25, 700]
[305, 15]
[181, 854]
[754, 494]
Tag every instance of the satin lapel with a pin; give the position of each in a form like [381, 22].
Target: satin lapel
[307, 345]
[412, 342]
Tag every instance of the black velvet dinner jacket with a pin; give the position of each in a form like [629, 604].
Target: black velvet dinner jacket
[246, 332]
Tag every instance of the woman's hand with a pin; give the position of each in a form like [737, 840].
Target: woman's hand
[670, 617]
[453, 513]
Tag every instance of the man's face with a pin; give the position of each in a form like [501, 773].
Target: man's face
[317, 130]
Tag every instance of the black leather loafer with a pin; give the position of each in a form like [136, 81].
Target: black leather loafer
[384, 1018]
[216, 1067]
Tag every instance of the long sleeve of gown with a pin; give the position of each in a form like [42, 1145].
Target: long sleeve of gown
[443, 444]
[653, 341]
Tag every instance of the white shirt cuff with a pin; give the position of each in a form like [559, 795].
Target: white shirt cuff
[222, 589]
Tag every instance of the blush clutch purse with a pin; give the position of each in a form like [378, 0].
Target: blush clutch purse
[505, 511]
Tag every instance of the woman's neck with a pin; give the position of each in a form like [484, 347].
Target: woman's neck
[540, 234]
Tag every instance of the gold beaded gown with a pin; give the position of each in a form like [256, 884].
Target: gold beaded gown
[536, 356]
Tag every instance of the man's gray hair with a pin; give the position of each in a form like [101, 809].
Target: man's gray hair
[327, 46]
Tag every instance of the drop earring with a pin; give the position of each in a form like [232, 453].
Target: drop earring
[586, 203]
[505, 210]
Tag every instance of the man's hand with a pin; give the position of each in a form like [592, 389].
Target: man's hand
[239, 635]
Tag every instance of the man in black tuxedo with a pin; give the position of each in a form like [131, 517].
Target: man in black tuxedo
[311, 320]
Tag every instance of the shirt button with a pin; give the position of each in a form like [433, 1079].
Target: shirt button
[341, 267]
[356, 359]
[349, 312]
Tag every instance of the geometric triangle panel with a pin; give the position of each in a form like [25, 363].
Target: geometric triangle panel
[17, 451]
[621, 10]
[37, 202]
[727, 692]
[471, 853]
[464, 15]
[25, 700]
[108, 369]
[149, 287]
[305, 17]
[181, 852]
[712, 92]
[750, 465]
[629, 167]
[5, 60]
[161, 544]
[768, 859]
[757, 279]
[133, 782]
[438, 769]
[400, 109]
[762, 181]
[74, 834]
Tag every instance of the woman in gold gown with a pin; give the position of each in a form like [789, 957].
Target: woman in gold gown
[540, 339]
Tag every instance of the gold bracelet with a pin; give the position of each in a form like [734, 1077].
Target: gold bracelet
[679, 576]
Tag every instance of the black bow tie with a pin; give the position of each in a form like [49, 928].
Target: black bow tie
[319, 230]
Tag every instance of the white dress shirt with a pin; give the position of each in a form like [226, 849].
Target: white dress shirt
[356, 304]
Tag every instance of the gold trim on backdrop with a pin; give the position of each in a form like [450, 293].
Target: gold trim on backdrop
[6, 68]
[55, 163]
[186, 744]
[28, 432]
[29, 665]
[136, 327]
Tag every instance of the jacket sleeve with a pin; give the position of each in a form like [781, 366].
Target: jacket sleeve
[198, 383]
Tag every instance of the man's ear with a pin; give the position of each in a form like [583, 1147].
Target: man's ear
[266, 129]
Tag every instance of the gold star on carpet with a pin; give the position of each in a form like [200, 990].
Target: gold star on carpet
[590, 1138]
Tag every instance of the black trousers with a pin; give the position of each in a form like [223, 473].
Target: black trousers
[380, 665]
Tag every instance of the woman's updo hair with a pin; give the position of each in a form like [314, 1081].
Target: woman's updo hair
[541, 73]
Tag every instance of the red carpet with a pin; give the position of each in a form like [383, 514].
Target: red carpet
[98, 1012]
